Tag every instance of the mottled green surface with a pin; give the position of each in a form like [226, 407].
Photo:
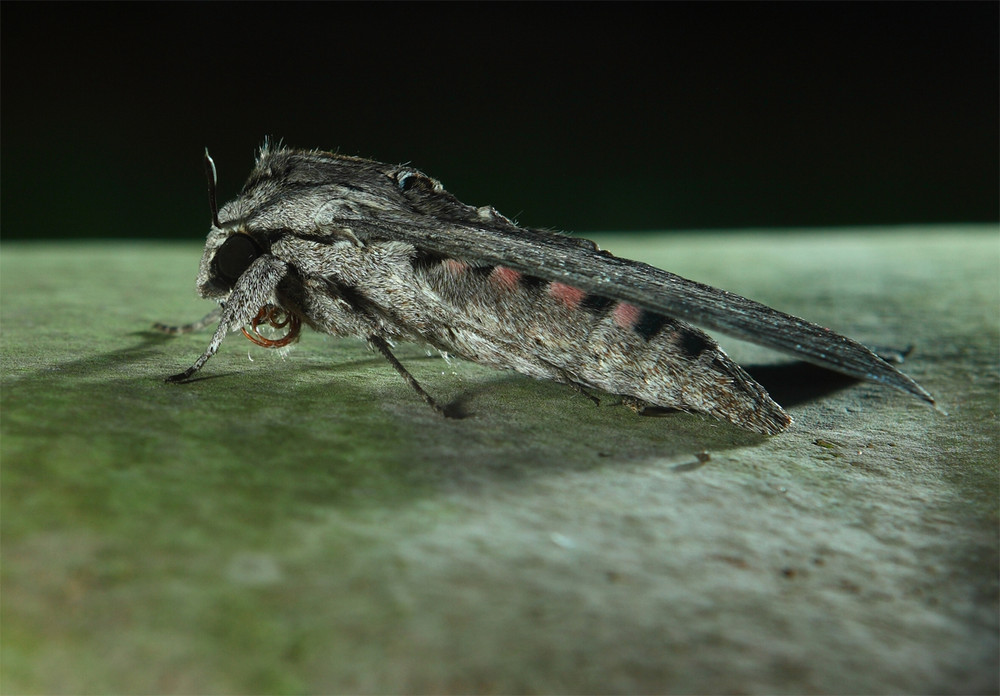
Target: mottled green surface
[303, 523]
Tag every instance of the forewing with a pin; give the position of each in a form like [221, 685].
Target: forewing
[482, 237]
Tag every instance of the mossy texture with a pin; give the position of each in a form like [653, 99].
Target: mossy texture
[300, 521]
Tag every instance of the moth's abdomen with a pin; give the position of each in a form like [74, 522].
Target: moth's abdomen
[556, 331]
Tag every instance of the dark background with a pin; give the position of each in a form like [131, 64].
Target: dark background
[572, 116]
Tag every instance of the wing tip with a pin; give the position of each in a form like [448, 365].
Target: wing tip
[905, 383]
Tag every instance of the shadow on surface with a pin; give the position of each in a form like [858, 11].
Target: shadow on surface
[796, 383]
[356, 430]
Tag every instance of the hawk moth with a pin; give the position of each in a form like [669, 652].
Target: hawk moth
[354, 247]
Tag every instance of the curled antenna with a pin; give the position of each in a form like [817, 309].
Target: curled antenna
[210, 174]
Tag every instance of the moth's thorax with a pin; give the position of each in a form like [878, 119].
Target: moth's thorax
[372, 269]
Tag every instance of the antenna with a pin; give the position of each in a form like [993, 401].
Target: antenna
[210, 174]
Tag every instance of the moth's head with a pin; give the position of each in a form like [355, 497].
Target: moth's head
[230, 248]
[325, 196]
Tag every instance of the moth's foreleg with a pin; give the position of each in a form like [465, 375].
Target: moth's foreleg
[217, 338]
[383, 348]
[206, 320]
[253, 290]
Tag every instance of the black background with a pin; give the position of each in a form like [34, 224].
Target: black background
[571, 116]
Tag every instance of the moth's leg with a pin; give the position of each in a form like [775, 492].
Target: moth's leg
[253, 290]
[220, 334]
[580, 389]
[209, 318]
[574, 385]
[637, 406]
[383, 348]
[569, 380]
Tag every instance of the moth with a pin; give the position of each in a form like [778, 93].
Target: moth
[354, 247]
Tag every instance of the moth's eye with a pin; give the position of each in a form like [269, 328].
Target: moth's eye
[234, 257]
[411, 180]
[406, 180]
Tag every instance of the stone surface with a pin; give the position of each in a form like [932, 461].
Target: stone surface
[299, 521]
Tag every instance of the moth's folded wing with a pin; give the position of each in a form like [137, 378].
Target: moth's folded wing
[577, 262]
